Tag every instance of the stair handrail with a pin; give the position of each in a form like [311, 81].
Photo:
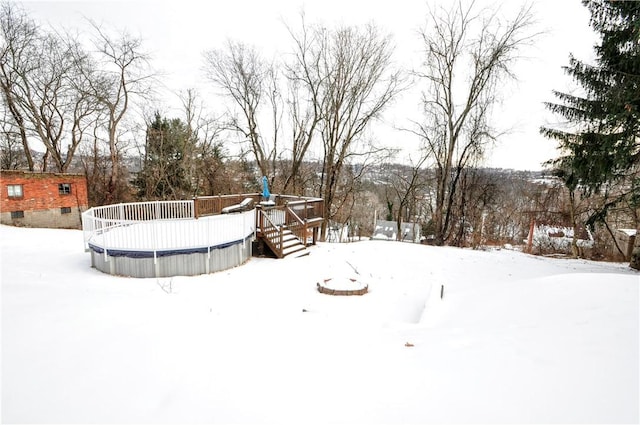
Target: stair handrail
[293, 213]
[275, 245]
[301, 235]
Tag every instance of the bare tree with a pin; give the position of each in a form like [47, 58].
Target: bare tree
[42, 86]
[406, 183]
[123, 75]
[208, 161]
[347, 73]
[242, 75]
[305, 103]
[43, 94]
[466, 55]
[94, 160]
[85, 109]
[19, 35]
[276, 103]
[12, 156]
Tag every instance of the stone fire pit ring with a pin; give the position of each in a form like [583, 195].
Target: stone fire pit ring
[342, 286]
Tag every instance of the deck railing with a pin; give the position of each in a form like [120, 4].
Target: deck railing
[160, 226]
[212, 205]
[98, 220]
[111, 226]
[306, 208]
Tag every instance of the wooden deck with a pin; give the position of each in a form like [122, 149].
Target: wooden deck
[286, 225]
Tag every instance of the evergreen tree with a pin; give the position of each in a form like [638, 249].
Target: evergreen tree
[601, 149]
[602, 144]
[165, 173]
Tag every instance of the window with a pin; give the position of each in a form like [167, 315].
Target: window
[65, 210]
[64, 188]
[14, 190]
[17, 214]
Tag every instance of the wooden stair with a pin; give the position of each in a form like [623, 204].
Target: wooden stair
[282, 244]
[282, 232]
[292, 245]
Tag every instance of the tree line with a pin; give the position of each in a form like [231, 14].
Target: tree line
[304, 120]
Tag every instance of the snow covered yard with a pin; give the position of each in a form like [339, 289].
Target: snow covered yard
[516, 338]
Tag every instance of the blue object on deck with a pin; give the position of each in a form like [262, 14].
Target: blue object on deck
[265, 188]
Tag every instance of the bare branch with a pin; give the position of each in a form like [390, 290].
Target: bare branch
[466, 54]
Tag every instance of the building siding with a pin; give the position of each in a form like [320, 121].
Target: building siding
[41, 199]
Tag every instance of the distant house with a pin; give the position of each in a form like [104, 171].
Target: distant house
[554, 238]
[34, 199]
[388, 230]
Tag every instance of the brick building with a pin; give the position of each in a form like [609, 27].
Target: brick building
[42, 199]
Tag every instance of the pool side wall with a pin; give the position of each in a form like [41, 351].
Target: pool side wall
[178, 264]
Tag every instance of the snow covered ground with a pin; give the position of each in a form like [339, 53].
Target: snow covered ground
[516, 338]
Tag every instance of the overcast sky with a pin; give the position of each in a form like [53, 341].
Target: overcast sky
[176, 33]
